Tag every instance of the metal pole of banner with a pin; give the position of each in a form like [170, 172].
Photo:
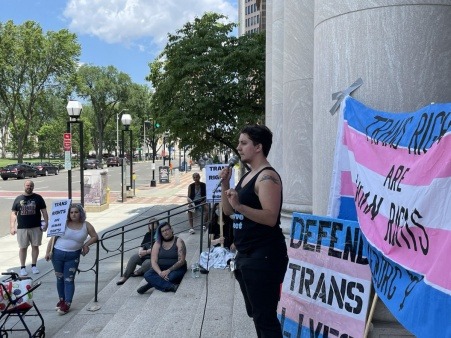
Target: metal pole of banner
[370, 316]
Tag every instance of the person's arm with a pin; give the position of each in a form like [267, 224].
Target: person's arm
[48, 253]
[154, 257]
[12, 223]
[203, 191]
[216, 241]
[146, 242]
[45, 215]
[181, 252]
[268, 188]
[93, 238]
[225, 175]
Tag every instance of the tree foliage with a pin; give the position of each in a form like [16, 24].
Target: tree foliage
[208, 84]
[33, 68]
[107, 89]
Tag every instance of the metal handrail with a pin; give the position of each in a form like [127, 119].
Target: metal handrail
[105, 239]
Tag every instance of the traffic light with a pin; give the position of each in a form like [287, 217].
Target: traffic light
[157, 125]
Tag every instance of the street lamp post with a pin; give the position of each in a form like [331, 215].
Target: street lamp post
[180, 157]
[164, 149]
[117, 129]
[74, 109]
[169, 152]
[146, 150]
[153, 183]
[126, 121]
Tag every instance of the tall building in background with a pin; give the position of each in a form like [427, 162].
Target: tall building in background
[251, 16]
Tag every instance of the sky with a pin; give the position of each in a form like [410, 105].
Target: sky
[127, 34]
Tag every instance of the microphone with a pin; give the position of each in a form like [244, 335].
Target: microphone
[234, 160]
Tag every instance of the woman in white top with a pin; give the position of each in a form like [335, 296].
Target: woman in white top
[66, 254]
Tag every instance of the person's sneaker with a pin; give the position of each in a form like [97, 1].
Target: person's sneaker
[64, 308]
[173, 288]
[191, 231]
[58, 305]
[35, 270]
[23, 272]
[143, 289]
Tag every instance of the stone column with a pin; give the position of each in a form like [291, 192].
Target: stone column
[289, 99]
[274, 114]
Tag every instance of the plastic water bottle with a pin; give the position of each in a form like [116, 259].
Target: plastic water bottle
[195, 270]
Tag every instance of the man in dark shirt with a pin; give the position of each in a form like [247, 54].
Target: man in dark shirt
[26, 214]
[197, 194]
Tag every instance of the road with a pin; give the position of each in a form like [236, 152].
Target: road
[55, 187]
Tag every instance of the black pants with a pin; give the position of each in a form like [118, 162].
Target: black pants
[260, 284]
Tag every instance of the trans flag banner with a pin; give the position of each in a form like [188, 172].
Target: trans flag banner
[327, 286]
[397, 169]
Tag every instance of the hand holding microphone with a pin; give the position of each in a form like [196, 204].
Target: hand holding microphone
[226, 173]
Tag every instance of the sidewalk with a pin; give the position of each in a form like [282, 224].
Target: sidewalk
[118, 212]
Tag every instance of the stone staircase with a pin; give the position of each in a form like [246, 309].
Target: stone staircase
[209, 306]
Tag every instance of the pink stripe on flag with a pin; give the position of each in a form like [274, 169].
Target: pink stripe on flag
[295, 306]
[375, 157]
[331, 263]
[434, 266]
[346, 184]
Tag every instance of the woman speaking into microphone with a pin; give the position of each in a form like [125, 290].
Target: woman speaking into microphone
[255, 205]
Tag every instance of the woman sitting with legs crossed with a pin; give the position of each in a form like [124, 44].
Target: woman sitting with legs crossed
[168, 259]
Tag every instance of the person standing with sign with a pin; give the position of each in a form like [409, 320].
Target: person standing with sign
[256, 203]
[26, 211]
[65, 251]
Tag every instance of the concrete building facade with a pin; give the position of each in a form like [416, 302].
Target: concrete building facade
[251, 16]
[400, 48]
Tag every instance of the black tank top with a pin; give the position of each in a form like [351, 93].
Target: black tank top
[249, 235]
[168, 257]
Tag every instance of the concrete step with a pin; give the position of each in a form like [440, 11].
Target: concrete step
[209, 306]
[87, 323]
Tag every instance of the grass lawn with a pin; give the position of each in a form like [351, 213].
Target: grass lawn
[5, 161]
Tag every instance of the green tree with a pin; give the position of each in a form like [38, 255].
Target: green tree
[208, 84]
[50, 139]
[107, 89]
[33, 66]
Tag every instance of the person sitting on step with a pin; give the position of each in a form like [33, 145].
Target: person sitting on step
[168, 259]
[142, 257]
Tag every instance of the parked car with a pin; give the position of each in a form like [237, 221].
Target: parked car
[113, 161]
[92, 163]
[46, 168]
[18, 170]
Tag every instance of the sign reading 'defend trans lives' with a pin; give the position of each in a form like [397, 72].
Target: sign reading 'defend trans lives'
[327, 285]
